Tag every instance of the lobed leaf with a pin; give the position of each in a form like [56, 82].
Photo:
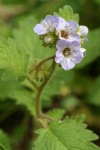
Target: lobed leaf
[57, 113]
[13, 61]
[25, 98]
[67, 13]
[12, 90]
[70, 134]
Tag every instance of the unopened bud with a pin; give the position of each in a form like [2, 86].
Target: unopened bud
[49, 39]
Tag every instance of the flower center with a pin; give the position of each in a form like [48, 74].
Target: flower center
[64, 34]
[66, 52]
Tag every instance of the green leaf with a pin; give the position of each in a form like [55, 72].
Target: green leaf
[94, 93]
[13, 61]
[24, 36]
[4, 141]
[70, 134]
[5, 29]
[92, 47]
[17, 92]
[56, 113]
[29, 41]
[1, 147]
[67, 13]
[25, 98]
[7, 87]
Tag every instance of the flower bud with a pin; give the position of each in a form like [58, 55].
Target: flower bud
[49, 39]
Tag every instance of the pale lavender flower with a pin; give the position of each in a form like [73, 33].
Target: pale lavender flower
[82, 32]
[69, 53]
[67, 29]
[47, 27]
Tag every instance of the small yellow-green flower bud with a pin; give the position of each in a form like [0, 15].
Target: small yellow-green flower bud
[49, 39]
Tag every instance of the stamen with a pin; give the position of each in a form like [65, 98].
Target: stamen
[64, 34]
[66, 52]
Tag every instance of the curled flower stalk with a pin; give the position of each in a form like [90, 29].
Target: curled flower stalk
[39, 112]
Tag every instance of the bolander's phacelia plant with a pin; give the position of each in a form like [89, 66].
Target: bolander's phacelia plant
[22, 57]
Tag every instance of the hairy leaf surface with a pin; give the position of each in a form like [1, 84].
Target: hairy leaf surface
[70, 134]
[68, 14]
[13, 61]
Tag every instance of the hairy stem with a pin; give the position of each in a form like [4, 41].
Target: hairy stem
[37, 67]
[44, 60]
[39, 92]
[33, 83]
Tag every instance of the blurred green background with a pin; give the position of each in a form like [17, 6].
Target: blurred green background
[73, 92]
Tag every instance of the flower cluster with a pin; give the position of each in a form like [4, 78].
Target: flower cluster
[68, 37]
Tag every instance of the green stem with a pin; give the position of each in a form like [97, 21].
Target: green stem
[39, 113]
[37, 67]
[44, 60]
[33, 83]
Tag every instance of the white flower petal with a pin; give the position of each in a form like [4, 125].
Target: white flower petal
[77, 57]
[62, 23]
[74, 37]
[59, 57]
[51, 21]
[73, 25]
[67, 64]
[61, 44]
[47, 25]
[40, 30]
[83, 31]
